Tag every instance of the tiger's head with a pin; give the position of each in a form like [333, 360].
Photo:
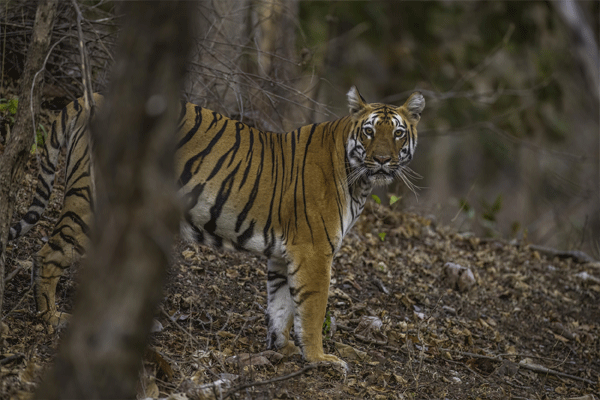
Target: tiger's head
[383, 139]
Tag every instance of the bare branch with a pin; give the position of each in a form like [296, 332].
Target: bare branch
[88, 94]
[576, 255]
[33, 83]
[269, 381]
[584, 40]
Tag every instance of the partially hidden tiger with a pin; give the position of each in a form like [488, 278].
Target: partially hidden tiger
[291, 197]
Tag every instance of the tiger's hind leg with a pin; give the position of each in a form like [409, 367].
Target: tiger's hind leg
[66, 245]
[280, 309]
[45, 278]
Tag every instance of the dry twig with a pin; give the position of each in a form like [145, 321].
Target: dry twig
[182, 329]
[576, 255]
[85, 65]
[531, 367]
[18, 304]
[13, 357]
[21, 266]
[268, 381]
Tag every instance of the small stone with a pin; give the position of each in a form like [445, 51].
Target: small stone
[458, 277]
[369, 330]
[156, 326]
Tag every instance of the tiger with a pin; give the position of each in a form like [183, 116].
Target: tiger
[291, 197]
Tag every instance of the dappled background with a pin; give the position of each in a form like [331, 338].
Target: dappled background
[508, 150]
[509, 140]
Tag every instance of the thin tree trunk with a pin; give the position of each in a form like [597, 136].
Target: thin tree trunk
[137, 211]
[585, 46]
[277, 21]
[219, 45]
[15, 155]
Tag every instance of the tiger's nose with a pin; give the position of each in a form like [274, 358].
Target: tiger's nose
[382, 159]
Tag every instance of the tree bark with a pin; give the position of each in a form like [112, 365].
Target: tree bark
[220, 37]
[137, 211]
[276, 37]
[584, 42]
[12, 161]
[246, 66]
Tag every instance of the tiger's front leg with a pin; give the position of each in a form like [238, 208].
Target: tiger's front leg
[280, 309]
[309, 289]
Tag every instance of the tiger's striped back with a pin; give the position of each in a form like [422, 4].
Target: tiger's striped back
[251, 192]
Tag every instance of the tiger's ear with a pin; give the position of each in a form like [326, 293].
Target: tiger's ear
[356, 102]
[414, 106]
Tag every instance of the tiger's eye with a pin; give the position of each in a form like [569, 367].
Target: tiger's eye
[368, 132]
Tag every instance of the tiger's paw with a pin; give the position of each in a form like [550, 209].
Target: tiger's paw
[330, 360]
[289, 349]
[55, 321]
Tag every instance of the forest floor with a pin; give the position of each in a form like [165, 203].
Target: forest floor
[504, 320]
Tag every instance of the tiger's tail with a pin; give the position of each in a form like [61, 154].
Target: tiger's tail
[73, 118]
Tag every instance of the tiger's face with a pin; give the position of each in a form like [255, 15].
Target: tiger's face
[384, 138]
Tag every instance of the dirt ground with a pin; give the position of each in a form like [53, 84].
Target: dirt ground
[501, 321]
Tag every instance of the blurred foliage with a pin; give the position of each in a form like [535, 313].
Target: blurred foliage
[8, 110]
[510, 126]
[40, 138]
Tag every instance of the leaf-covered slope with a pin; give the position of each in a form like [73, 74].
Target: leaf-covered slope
[500, 321]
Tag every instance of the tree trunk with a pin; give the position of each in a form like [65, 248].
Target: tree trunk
[12, 162]
[276, 37]
[137, 211]
[220, 41]
[584, 42]
[246, 66]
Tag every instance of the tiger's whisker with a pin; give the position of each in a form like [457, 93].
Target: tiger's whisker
[411, 173]
[406, 178]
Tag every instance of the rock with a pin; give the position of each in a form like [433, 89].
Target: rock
[584, 276]
[369, 330]
[458, 277]
[156, 326]
[213, 390]
[449, 310]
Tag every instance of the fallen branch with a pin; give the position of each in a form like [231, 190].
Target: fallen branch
[531, 367]
[192, 338]
[182, 329]
[542, 369]
[576, 255]
[462, 364]
[23, 265]
[14, 357]
[268, 381]
[18, 303]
